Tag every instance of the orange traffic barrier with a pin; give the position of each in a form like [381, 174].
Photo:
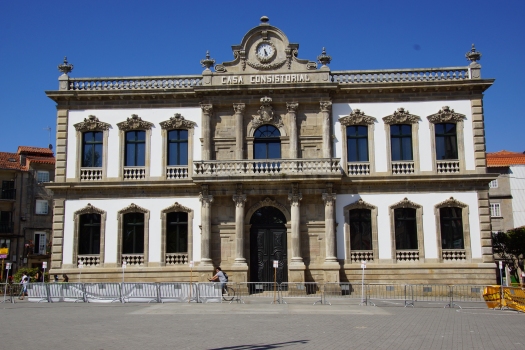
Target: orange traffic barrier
[513, 297]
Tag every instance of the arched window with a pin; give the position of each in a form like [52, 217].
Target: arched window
[133, 233]
[267, 143]
[89, 234]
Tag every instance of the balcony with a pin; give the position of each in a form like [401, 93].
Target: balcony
[89, 260]
[134, 173]
[265, 167]
[447, 166]
[403, 168]
[177, 172]
[356, 256]
[91, 174]
[453, 255]
[8, 193]
[6, 227]
[358, 169]
[407, 255]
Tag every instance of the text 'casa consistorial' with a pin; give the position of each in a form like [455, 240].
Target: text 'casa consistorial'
[265, 79]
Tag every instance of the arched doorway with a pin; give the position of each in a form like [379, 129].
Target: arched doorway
[268, 243]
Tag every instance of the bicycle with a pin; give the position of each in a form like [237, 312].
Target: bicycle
[228, 293]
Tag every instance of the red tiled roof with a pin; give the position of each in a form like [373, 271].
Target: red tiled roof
[40, 160]
[10, 161]
[505, 158]
[34, 150]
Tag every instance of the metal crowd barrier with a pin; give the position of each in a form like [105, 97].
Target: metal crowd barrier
[390, 294]
[139, 292]
[258, 292]
[210, 292]
[102, 292]
[301, 290]
[67, 292]
[344, 291]
[37, 292]
[180, 292]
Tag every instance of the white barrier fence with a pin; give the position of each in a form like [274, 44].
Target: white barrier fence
[383, 294]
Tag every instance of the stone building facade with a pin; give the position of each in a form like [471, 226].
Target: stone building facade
[26, 205]
[268, 158]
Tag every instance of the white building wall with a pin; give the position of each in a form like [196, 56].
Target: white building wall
[517, 190]
[428, 201]
[114, 116]
[421, 109]
[113, 206]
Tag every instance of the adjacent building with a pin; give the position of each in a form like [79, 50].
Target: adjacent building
[272, 158]
[26, 205]
[507, 191]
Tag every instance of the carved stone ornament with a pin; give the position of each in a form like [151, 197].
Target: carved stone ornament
[89, 209]
[446, 115]
[133, 208]
[65, 68]
[177, 207]
[401, 116]
[329, 199]
[405, 203]
[267, 66]
[326, 106]
[134, 123]
[207, 62]
[473, 55]
[292, 107]
[357, 117]
[268, 202]
[295, 196]
[323, 58]
[91, 123]
[239, 200]
[239, 107]
[177, 122]
[451, 202]
[266, 115]
[205, 199]
[360, 204]
[207, 108]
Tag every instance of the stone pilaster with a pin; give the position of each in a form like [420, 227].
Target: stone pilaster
[240, 199]
[206, 199]
[207, 112]
[239, 129]
[326, 109]
[292, 117]
[487, 256]
[61, 145]
[58, 234]
[479, 135]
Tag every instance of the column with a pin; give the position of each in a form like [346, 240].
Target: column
[329, 224]
[240, 199]
[207, 112]
[295, 197]
[239, 129]
[326, 108]
[206, 200]
[292, 117]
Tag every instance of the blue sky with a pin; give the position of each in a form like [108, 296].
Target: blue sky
[140, 38]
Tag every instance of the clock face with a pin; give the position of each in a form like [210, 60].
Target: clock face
[265, 52]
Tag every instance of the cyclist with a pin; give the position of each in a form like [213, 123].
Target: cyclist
[219, 275]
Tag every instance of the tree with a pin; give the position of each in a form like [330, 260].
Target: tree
[510, 248]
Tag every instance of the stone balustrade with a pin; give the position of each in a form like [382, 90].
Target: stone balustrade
[453, 254]
[357, 256]
[261, 167]
[176, 259]
[403, 168]
[447, 166]
[134, 83]
[358, 169]
[91, 260]
[400, 75]
[133, 259]
[177, 172]
[90, 174]
[407, 255]
[134, 173]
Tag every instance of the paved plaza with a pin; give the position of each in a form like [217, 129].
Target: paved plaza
[299, 325]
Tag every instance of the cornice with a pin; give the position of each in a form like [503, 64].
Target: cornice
[401, 116]
[177, 122]
[134, 123]
[176, 207]
[446, 114]
[357, 117]
[133, 208]
[451, 202]
[91, 123]
[405, 203]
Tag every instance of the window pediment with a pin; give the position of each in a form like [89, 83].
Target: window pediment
[91, 123]
[445, 115]
[89, 209]
[451, 202]
[176, 207]
[357, 117]
[177, 122]
[405, 203]
[134, 123]
[360, 204]
[133, 208]
[401, 116]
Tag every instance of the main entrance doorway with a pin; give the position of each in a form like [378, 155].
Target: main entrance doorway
[268, 243]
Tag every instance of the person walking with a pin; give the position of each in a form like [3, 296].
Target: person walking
[23, 293]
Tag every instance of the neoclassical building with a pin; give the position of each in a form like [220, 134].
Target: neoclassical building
[270, 157]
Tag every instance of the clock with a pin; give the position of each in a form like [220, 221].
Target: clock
[265, 51]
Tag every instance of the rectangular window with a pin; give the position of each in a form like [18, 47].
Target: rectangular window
[495, 210]
[401, 142]
[178, 147]
[357, 143]
[135, 148]
[6, 226]
[8, 190]
[40, 243]
[42, 176]
[41, 207]
[177, 232]
[360, 229]
[92, 149]
[405, 228]
[451, 228]
[493, 184]
[89, 234]
[446, 141]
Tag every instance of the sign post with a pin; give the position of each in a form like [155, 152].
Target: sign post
[7, 267]
[501, 284]
[275, 266]
[44, 266]
[191, 280]
[363, 266]
[80, 266]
